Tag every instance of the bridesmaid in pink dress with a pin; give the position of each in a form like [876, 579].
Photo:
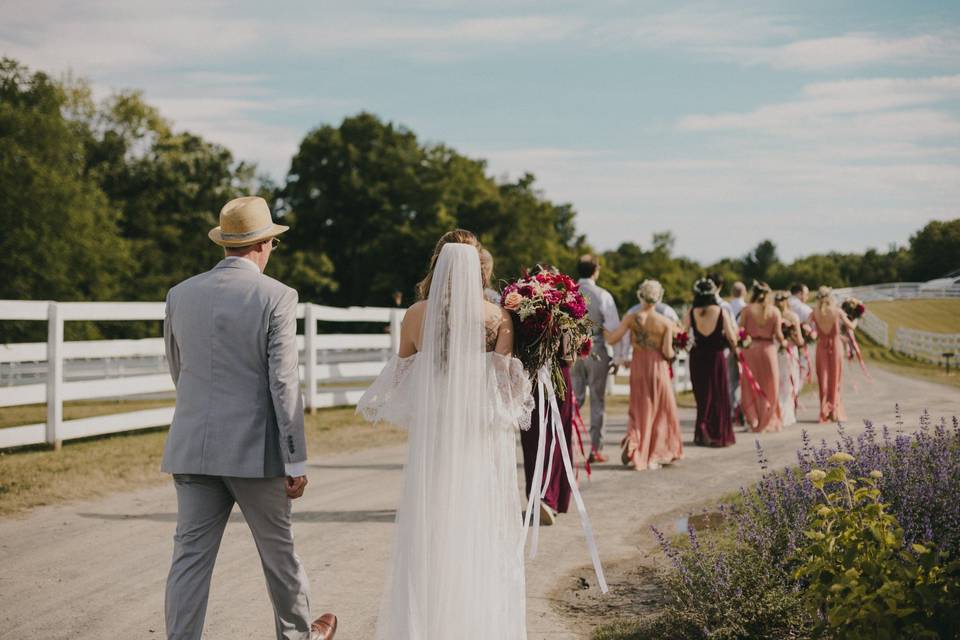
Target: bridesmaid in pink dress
[829, 319]
[653, 426]
[762, 319]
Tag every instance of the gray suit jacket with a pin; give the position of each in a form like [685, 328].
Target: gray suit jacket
[230, 337]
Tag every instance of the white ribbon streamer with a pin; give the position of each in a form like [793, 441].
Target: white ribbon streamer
[545, 388]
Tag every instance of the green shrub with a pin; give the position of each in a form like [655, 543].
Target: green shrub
[863, 581]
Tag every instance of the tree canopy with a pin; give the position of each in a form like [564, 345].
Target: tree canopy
[108, 201]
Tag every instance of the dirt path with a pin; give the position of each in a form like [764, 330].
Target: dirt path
[95, 570]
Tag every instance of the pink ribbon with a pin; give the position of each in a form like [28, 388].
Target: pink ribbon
[751, 380]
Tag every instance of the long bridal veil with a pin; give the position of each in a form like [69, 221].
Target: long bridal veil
[457, 568]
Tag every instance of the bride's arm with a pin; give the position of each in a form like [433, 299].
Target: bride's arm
[505, 334]
[410, 330]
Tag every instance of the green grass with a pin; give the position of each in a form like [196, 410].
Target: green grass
[97, 466]
[880, 356]
[34, 413]
[936, 316]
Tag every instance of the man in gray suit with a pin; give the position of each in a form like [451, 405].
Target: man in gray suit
[237, 435]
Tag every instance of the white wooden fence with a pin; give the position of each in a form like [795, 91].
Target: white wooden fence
[898, 291]
[335, 368]
[328, 381]
[922, 345]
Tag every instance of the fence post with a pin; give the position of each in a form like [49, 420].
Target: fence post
[310, 356]
[54, 376]
[394, 330]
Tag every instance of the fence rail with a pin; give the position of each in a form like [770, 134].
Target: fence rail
[335, 368]
[898, 291]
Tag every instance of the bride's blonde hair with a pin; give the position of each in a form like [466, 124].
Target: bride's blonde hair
[457, 236]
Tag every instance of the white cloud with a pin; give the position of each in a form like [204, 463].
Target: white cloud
[885, 109]
[859, 49]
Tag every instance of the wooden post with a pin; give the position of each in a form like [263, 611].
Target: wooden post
[394, 330]
[310, 356]
[54, 376]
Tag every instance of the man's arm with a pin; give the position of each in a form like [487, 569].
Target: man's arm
[170, 345]
[284, 377]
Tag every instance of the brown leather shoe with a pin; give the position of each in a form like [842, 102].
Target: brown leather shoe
[324, 627]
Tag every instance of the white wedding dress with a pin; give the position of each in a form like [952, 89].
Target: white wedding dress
[457, 568]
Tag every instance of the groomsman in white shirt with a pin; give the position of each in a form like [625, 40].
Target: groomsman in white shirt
[798, 301]
[594, 371]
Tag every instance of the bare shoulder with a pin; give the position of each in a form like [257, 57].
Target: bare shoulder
[417, 308]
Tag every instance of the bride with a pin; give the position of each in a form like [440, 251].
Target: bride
[457, 568]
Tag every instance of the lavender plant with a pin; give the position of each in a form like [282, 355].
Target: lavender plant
[745, 584]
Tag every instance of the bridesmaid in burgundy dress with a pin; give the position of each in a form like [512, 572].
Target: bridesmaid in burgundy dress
[713, 332]
[557, 497]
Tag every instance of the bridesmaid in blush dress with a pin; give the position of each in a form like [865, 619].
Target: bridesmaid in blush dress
[829, 319]
[653, 427]
[713, 332]
[762, 322]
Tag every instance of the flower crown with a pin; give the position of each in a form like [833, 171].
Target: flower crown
[706, 287]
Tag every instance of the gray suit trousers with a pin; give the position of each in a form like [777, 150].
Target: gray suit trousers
[204, 504]
[592, 372]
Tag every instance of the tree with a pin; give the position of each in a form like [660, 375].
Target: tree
[935, 250]
[170, 187]
[60, 237]
[375, 200]
[760, 263]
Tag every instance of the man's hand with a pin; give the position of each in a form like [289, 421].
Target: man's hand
[614, 368]
[295, 486]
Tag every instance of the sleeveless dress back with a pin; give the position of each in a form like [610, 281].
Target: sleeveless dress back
[653, 427]
[830, 373]
[762, 411]
[708, 372]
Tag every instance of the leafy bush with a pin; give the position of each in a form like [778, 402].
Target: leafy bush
[760, 578]
[863, 581]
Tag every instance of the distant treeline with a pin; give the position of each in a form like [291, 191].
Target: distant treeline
[107, 201]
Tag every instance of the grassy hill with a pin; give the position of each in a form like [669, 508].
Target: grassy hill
[937, 316]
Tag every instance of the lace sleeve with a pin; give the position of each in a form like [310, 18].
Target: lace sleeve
[509, 390]
[389, 398]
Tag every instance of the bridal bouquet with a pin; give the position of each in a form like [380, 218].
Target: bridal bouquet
[854, 308]
[550, 314]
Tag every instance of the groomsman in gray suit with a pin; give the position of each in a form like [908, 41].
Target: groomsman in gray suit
[593, 371]
[237, 435]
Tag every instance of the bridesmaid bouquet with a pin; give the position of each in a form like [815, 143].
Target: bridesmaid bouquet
[809, 333]
[548, 312]
[788, 330]
[681, 341]
[744, 340]
[854, 308]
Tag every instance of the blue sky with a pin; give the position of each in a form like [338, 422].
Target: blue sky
[820, 125]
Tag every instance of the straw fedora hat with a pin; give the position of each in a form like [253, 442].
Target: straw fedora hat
[245, 221]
